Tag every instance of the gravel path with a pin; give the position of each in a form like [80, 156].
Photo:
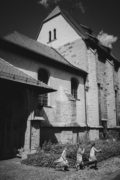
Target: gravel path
[14, 170]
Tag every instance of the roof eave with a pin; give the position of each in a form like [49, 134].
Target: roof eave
[25, 81]
[70, 65]
[101, 47]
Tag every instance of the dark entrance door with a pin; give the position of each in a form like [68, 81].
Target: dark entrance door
[12, 119]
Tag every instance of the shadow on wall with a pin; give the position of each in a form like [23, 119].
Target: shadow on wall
[72, 133]
[46, 129]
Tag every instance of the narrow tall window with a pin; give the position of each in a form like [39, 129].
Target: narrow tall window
[43, 76]
[116, 107]
[99, 104]
[54, 34]
[74, 87]
[50, 36]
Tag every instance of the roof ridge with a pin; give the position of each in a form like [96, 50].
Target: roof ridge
[57, 10]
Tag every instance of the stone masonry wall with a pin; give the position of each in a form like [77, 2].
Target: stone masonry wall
[110, 94]
[117, 89]
[35, 134]
[92, 93]
[101, 79]
[31, 104]
[76, 53]
[92, 96]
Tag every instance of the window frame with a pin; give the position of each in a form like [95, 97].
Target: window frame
[74, 87]
[54, 31]
[50, 36]
[43, 98]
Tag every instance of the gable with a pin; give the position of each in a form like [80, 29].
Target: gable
[64, 32]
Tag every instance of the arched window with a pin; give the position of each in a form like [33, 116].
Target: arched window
[74, 87]
[54, 34]
[50, 36]
[43, 76]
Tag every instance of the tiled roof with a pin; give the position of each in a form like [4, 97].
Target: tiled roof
[10, 72]
[39, 48]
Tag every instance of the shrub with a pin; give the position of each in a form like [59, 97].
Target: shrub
[46, 156]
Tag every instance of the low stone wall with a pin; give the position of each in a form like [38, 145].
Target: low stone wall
[110, 133]
[67, 134]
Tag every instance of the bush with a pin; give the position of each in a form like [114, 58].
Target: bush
[46, 156]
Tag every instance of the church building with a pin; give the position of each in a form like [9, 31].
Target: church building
[77, 43]
[62, 87]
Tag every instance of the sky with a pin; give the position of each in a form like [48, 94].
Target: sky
[25, 16]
